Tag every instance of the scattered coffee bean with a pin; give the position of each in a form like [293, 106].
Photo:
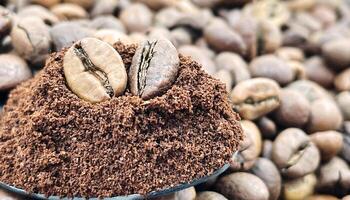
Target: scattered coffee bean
[69, 11]
[294, 154]
[208, 195]
[104, 7]
[309, 89]
[13, 70]
[39, 11]
[329, 143]
[256, 97]
[199, 55]
[269, 37]
[342, 81]
[31, 39]
[299, 188]
[294, 109]
[325, 115]
[107, 22]
[337, 53]
[153, 69]
[94, 70]
[180, 36]
[267, 127]
[268, 172]
[83, 3]
[112, 36]
[317, 71]
[186, 194]
[242, 186]
[137, 18]
[290, 53]
[343, 100]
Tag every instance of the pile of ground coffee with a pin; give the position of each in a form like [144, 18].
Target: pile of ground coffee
[54, 143]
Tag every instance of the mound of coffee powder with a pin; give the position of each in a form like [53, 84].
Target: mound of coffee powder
[54, 143]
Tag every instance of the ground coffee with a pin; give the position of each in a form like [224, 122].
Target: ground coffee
[54, 143]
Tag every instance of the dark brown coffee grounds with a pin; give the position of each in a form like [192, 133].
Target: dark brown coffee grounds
[54, 143]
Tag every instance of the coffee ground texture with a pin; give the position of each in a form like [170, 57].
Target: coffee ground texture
[54, 143]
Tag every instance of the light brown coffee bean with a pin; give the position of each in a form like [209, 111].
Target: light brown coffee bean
[137, 18]
[243, 186]
[199, 55]
[300, 5]
[337, 53]
[157, 4]
[321, 197]
[267, 127]
[290, 53]
[39, 11]
[343, 100]
[107, 22]
[325, 115]
[269, 37]
[69, 11]
[296, 35]
[256, 97]
[294, 109]
[186, 194]
[334, 174]
[342, 81]
[46, 3]
[269, 174]
[154, 68]
[208, 195]
[309, 89]
[318, 72]
[86, 4]
[219, 35]
[299, 188]
[234, 64]
[94, 71]
[294, 154]
[104, 7]
[298, 69]
[180, 37]
[225, 77]
[112, 36]
[158, 32]
[13, 70]
[329, 143]
[272, 67]
[31, 39]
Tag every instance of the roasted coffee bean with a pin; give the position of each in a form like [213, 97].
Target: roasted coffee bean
[343, 100]
[337, 53]
[325, 115]
[321, 197]
[294, 109]
[104, 7]
[234, 64]
[94, 71]
[154, 68]
[298, 69]
[308, 21]
[39, 11]
[66, 33]
[69, 11]
[199, 55]
[256, 97]
[180, 36]
[267, 149]
[186, 194]
[272, 67]
[268, 172]
[250, 147]
[46, 3]
[294, 154]
[267, 127]
[317, 71]
[299, 188]
[290, 53]
[342, 81]
[157, 4]
[112, 36]
[208, 195]
[242, 186]
[107, 22]
[137, 18]
[31, 39]
[225, 77]
[158, 32]
[329, 143]
[83, 3]
[13, 70]
[309, 89]
[5, 22]
[219, 35]
[269, 37]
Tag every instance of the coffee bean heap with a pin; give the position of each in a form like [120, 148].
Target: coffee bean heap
[285, 64]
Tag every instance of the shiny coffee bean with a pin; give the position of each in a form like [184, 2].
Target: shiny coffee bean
[13, 71]
[294, 154]
[69, 11]
[342, 81]
[267, 149]
[337, 53]
[208, 195]
[199, 55]
[343, 101]
[294, 109]
[104, 7]
[325, 115]
[329, 143]
[107, 22]
[243, 186]
[267, 127]
[299, 188]
[137, 18]
[318, 72]
[256, 97]
[39, 11]
[269, 174]
[309, 89]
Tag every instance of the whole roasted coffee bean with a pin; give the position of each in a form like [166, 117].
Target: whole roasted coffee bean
[83, 3]
[267, 149]
[343, 100]
[13, 70]
[186, 194]
[296, 35]
[94, 71]
[225, 77]
[335, 174]
[39, 11]
[137, 18]
[325, 115]
[337, 53]
[234, 64]
[66, 33]
[112, 36]
[31, 39]
[309, 89]
[294, 154]
[272, 67]
[5, 22]
[208, 195]
[267, 127]
[180, 36]
[321, 197]
[269, 37]
[268, 172]
[250, 148]
[317, 71]
[107, 22]
[219, 35]
[69, 11]
[154, 68]
[242, 186]
[342, 81]
[256, 97]
[294, 109]
[299, 188]
[104, 7]
[329, 143]
[345, 152]
[158, 32]
[290, 53]
[199, 55]
[46, 3]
